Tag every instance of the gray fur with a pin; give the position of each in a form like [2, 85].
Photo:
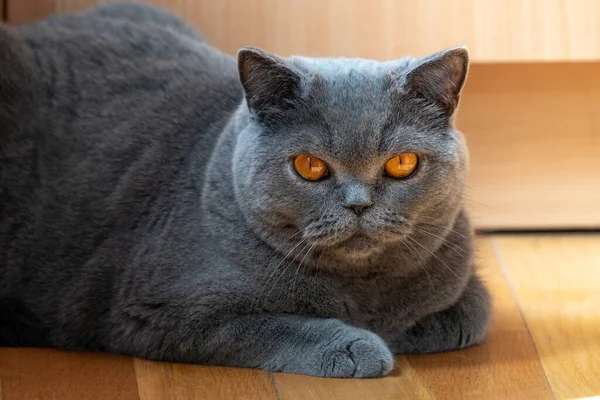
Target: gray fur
[148, 209]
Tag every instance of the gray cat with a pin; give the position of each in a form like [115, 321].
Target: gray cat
[161, 201]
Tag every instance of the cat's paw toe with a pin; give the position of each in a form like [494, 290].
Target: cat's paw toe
[363, 357]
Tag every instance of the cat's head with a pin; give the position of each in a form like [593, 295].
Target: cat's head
[348, 156]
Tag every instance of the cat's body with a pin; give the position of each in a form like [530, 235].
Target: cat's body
[135, 217]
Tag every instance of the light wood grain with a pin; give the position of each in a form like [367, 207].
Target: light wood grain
[555, 280]
[534, 136]
[506, 366]
[403, 383]
[164, 381]
[38, 374]
[495, 30]
[557, 283]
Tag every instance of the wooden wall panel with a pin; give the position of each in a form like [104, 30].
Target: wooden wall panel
[494, 30]
[532, 128]
[22, 11]
[534, 135]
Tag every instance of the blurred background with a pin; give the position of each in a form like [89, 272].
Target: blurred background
[531, 106]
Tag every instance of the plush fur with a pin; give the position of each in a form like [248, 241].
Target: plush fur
[149, 205]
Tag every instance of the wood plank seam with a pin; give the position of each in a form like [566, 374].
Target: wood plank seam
[500, 259]
[274, 381]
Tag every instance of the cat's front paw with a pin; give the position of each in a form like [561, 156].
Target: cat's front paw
[462, 325]
[362, 355]
[330, 348]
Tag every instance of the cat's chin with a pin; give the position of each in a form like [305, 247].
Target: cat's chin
[358, 246]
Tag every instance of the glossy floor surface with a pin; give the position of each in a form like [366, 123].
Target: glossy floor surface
[544, 344]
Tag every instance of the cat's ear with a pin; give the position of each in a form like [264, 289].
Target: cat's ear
[440, 78]
[270, 83]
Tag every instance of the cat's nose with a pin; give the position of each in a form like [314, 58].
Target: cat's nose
[358, 208]
[357, 197]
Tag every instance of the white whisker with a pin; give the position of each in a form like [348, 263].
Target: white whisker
[416, 255]
[444, 241]
[310, 248]
[284, 270]
[436, 257]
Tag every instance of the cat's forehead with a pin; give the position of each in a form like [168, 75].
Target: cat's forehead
[347, 81]
[351, 89]
[353, 97]
[344, 66]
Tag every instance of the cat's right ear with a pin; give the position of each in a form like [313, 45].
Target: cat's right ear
[440, 77]
[270, 83]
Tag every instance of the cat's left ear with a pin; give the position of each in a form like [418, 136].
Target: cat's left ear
[440, 78]
[270, 83]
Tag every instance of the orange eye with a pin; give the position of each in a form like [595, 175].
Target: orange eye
[402, 165]
[309, 167]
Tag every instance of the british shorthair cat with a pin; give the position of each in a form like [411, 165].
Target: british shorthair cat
[161, 200]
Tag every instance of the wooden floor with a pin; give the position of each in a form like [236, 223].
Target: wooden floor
[544, 344]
